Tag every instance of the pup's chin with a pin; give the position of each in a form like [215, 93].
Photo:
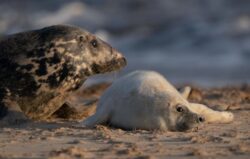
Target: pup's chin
[183, 127]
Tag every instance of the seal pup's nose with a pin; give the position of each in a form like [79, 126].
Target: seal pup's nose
[200, 119]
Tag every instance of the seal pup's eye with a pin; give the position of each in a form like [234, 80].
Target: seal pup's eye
[179, 109]
[201, 119]
[94, 43]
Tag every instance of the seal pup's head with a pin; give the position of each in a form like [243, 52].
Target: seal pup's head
[181, 118]
[166, 100]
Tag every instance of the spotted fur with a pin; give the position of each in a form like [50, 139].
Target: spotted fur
[40, 68]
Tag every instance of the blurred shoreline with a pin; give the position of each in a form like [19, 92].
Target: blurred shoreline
[199, 42]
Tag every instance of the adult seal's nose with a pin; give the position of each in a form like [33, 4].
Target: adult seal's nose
[120, 58]
[123, 61]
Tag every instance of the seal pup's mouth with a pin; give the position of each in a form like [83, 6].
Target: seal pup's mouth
[188, 122]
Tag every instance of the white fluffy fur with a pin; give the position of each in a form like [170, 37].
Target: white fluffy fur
[141, 100]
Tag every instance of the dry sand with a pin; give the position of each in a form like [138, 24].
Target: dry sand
[57, 138]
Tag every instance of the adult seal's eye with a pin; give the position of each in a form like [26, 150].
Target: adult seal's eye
[94, 43]
[179, 109]
[81, 38]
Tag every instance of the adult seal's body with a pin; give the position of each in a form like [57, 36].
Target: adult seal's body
[146, 100]
[40, 68]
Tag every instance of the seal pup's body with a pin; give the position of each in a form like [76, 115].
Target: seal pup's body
[143, 100]
[146, 100]
[39, 69]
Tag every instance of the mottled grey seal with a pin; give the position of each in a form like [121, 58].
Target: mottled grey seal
[146, 100]
[40, 68]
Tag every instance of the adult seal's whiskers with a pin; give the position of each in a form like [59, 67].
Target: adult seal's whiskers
[40, 68]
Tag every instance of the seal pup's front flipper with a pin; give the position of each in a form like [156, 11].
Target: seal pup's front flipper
[185, 91]
[100, 117]
[210, 115]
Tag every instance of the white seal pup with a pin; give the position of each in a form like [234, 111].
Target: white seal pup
[146, 100]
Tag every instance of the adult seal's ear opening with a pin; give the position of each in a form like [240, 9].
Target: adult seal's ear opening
[39, 69]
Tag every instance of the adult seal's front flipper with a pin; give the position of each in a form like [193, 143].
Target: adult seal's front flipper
[11, 115]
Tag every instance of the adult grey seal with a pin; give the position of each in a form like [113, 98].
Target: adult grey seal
[39, 69]
[146, 100]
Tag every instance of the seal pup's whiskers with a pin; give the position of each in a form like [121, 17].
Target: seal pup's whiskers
[146, 100]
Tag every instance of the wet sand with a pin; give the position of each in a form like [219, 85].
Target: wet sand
[58, 138]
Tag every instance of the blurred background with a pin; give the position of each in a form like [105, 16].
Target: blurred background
[201, 42]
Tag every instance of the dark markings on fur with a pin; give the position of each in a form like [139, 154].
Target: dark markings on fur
[56, 78]
[19, 83]
[36, 53]
[42, 69]
[30, 54]
[3, 108]
[27, 67]
[65, 72]
[52, 81]
[51, 45]
[95, 68]
[38, 50]
[19, 79]
[55, 59]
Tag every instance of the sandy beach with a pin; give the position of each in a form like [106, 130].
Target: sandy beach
[59, 138]
[205, 43]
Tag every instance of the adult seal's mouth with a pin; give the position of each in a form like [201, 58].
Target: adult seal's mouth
[53, 63]
[117, 62]
[122, 62]
[113, 65]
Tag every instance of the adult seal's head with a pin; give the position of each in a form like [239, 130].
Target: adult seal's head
[40, 68]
